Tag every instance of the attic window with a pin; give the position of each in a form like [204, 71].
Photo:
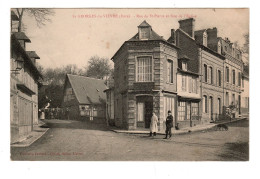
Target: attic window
[184, 66]
[144, 33]
[97, 90]
[205, 36]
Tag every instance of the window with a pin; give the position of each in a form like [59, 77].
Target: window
[225, 48]
[238, 56]
[227, 74]
[233, 99]
[210, 75]
[219, 77]
[183, 83]
[181, 110]
[205, 36]
[239, 79]
[184, 66]
[219, 47]
[195, 110]
[205, 104]
[170, 71]
[227, 99]
[144, 69]
[205, 73]
[190, 85]
[219, 106]
[194, 85]
[144, 33]
[169, 105]
[234, 76]
[140, 109]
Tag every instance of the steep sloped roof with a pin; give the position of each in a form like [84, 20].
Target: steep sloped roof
[21, 36]
[153, 36]
[32, 54]
[88, 90]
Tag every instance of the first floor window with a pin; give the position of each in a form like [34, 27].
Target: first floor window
[205, 73]
[234, 76]
[205, 104]
[184, 83]
[144, 69]
[227, 99]
[170, 71]
[219, 106]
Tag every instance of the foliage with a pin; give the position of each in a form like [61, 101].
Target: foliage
[41, 15]
[98, 67]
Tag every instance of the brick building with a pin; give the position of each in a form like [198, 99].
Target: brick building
[190, 74]
[145, 79]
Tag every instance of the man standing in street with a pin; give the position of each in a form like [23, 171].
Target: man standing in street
[169, 125]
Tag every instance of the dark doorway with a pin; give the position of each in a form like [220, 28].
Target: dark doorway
[144, 111]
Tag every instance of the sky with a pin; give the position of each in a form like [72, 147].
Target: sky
[74, 35]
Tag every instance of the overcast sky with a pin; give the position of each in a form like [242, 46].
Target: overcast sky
[69, 39]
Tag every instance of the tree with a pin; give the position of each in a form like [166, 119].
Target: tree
[41, 15]
[98, 67]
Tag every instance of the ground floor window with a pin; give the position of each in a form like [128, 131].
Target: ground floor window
[181, 110]
[188, 110]
[168, 105]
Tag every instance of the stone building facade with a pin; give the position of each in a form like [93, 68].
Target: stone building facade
[145, 79]
[186, 74]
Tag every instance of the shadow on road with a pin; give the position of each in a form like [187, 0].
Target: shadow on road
[69, 124]
[236, 151]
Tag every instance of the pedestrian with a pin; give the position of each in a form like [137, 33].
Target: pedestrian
[169, 125]
[153, 125]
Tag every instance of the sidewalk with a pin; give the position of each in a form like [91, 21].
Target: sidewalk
[27, 140]
[185, 130]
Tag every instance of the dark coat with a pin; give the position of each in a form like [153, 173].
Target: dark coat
[169, 121]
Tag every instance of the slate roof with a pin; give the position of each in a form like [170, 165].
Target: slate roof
[153, 36]
[88, 90]
[21, 36]
[14, 17]
[32, 54]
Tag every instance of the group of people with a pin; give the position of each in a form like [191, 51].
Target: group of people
[169, 125]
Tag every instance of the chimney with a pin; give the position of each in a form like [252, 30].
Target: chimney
[173, 36]
[187, 25]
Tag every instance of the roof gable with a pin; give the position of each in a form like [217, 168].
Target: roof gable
[88, 90]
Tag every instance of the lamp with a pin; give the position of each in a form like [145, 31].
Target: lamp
[18, 64]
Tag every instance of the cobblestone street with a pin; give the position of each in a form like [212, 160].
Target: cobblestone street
[76, 140]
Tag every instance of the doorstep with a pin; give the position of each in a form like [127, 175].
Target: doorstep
[29, 139]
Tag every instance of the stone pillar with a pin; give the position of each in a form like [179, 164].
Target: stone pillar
[131, 112]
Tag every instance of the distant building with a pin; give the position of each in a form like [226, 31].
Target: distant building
[245, 92]
[24, 79]
[84, 98]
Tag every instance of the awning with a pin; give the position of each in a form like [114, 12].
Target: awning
[25, 89]
[189, 98]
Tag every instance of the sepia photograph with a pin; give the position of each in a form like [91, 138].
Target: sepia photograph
[129, 84]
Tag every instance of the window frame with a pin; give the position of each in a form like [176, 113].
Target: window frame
[169, 71]
[136, 68]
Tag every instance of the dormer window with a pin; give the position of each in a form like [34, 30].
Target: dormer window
[144, 30]
[219, 47]
[184, 66]
[205, 37]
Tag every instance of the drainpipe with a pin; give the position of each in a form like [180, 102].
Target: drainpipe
[200, 78]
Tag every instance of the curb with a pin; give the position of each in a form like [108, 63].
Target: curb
[27, 145]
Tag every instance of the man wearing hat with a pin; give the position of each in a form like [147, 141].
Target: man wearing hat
[169, 125]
